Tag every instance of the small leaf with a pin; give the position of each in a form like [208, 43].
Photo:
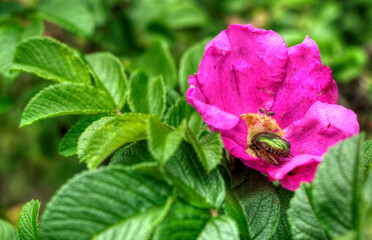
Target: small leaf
[283, 231]
[164, 64]
[185, 222]
[367, 156]
[10, 34]
[51, 60]
[302, 218]
[336, 187]
[7, 231]
[190, 179]
[209, 149]
[65, 99]
[259, 202]
[110, 72]
[70, 14]
[147, 95]
[135, 153]
[162, 141]
[105, 203]
[68, 145]
[28, 228]
[104, 136]
[189, 63]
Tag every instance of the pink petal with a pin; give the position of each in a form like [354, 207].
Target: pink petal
[306, 82]
[322, 127]
[242, 69]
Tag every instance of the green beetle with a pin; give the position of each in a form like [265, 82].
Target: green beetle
[269, 146]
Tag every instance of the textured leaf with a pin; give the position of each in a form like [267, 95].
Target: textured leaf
[189, 177]
[104, 136]
[209, 149]
[302, 218]
[162, 141]
[64, 99]
[7, 231]
[147, 95]
[367, 156]
[51, 60]
[28, 227]
[220, 228]
[70, 14]
[110, 72]
[185, 222]
[336, 187]
[182, 110]
[133, 154]
[104, 203]
[189, 63]
[68, 145]
[283, 231]
[163, 65]
[259, 203]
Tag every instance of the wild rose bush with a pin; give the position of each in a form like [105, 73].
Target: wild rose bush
[177, 173]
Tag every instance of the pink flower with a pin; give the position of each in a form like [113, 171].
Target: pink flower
[245, 69]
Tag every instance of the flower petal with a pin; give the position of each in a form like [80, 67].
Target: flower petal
[322, 127]
[242, 69]
[306, 82]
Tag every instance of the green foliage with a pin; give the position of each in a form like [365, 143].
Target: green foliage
[147, 95]
[255, 206]
[283, 230]
[164, 64]
[104, 136]
[367, 157]
[68, 145]
[72, 15]
[133, 154]
[185, 222]
[189, 63]
[5, 104]
[111, 74]
[192, 182]
[66, 98]
[28, 227]
[104, 204]
[51, 60]
[331, 207]
[7, 231]
[163, 141]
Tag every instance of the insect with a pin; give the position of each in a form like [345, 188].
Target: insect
[270, 147]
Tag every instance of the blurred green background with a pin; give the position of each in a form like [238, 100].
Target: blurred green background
[30, 166]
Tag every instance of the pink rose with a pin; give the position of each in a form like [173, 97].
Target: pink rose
[245, 69]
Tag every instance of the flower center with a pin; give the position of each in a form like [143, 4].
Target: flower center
[257, 123]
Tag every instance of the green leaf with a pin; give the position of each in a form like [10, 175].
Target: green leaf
[10, 34]
[336, 187]
[70, 14]
[105, 203]
[209, 149]
[64, 99]
[68, 145]
[189, 63]
[135, 153]
[164, 64]
[190, 179]
[34, 28]
[283, 231]
[257, 201]
[7, 231]
[302, 218]
[104, 136]
[367, 156]
[28, 227]
[185, 222]
[163, 141]
[7, 9]
[110, 72]
[51, 60]
[147, 95]
[182, 110]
